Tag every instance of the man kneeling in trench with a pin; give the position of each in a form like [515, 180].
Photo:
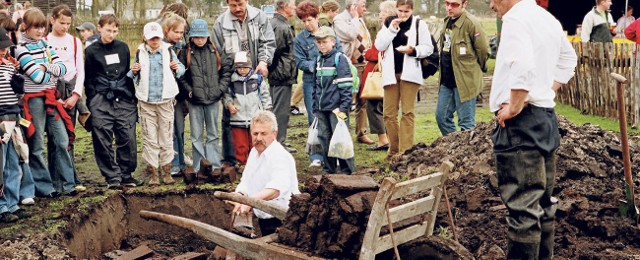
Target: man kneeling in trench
[270, 173]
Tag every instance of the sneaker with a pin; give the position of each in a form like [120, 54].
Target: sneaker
[114, 185]
[80, 188]
[132, 182]
[175, 172]
[8, 217]
[315, 163]
[72, 193]
[28, 201]
[296, 111]
[21, 213]
[290, 149]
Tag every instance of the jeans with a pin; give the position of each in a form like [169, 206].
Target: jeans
[178, 136]
[12, 176]
[327, 122]
[57, 134]
[448, 103]
[204, 119]
[307, 89]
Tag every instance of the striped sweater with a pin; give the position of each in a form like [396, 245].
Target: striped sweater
[32, 55]
[8, 98]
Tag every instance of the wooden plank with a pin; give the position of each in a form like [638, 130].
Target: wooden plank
[139, 253]
[368, 250]
[423, 183]
[255, 249]
[191, 256]
[409, 210]
[383, 243]
[270, 208]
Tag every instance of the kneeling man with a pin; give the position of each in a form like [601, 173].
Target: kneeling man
[270, 173]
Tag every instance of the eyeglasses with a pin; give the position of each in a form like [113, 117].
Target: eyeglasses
[452, 4]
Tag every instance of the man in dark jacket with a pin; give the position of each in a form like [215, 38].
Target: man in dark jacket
[113, 105]
[283, 68]
[201, 84]
[241, 28]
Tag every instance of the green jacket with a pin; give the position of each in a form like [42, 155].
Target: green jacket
[467, 35]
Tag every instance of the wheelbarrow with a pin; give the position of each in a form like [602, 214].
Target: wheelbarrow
[373, 243]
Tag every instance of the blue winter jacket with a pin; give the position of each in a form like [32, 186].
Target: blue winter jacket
[306, 52]
[333, 83]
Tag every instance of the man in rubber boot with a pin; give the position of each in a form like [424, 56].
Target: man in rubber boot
[270, 173]
[534, 59]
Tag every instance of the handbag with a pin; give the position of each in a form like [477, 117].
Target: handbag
[430, 63]
[373, 88]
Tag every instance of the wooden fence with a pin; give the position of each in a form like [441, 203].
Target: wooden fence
[592, 89]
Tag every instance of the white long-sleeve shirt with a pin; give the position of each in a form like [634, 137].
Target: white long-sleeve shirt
[534, 52]
[274, 169]
[74, 62]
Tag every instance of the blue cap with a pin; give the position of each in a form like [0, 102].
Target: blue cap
[199, 28]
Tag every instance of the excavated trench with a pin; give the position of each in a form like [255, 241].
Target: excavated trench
[116, 225]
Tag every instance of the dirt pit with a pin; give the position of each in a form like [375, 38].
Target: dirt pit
[115, 225]
[589, 185]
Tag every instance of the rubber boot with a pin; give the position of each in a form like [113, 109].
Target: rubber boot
[152, 172]
[166, 175]
[519, 250]
[546, 240]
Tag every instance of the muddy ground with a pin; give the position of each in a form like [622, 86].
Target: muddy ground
[590, 183]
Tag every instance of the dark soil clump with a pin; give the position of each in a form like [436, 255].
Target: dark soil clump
[331, 217]
[589, 185]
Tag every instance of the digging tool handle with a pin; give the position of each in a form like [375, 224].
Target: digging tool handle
[277, 211]
[624, 138]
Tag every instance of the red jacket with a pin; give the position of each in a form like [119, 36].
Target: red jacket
[632, 31]
[371, 56]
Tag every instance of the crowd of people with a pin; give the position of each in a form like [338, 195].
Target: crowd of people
[598, 24]
[246, 65]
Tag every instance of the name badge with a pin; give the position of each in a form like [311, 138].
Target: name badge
[463, 50]
[112, 59]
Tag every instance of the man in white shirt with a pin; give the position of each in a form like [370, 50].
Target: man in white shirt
[270, 173]
[534, 59]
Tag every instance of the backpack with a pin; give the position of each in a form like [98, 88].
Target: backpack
[354, 71]
[431, 63]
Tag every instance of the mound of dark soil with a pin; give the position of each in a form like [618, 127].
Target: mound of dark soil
[330, 218]
[589, 185]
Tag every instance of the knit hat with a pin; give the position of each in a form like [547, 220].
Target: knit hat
[5, 42]
[199, 28]
[242, 60]
[325, 32]
[86, 26]
[152, 30]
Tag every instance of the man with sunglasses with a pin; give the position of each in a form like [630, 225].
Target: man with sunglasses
[464, 53]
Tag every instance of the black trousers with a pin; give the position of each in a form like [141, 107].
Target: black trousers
[114, 118]
[526, 166]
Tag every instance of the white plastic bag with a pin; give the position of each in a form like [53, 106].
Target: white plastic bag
[341, 145]
[313, 143]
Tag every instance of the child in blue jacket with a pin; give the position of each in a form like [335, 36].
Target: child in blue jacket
[331, 96]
